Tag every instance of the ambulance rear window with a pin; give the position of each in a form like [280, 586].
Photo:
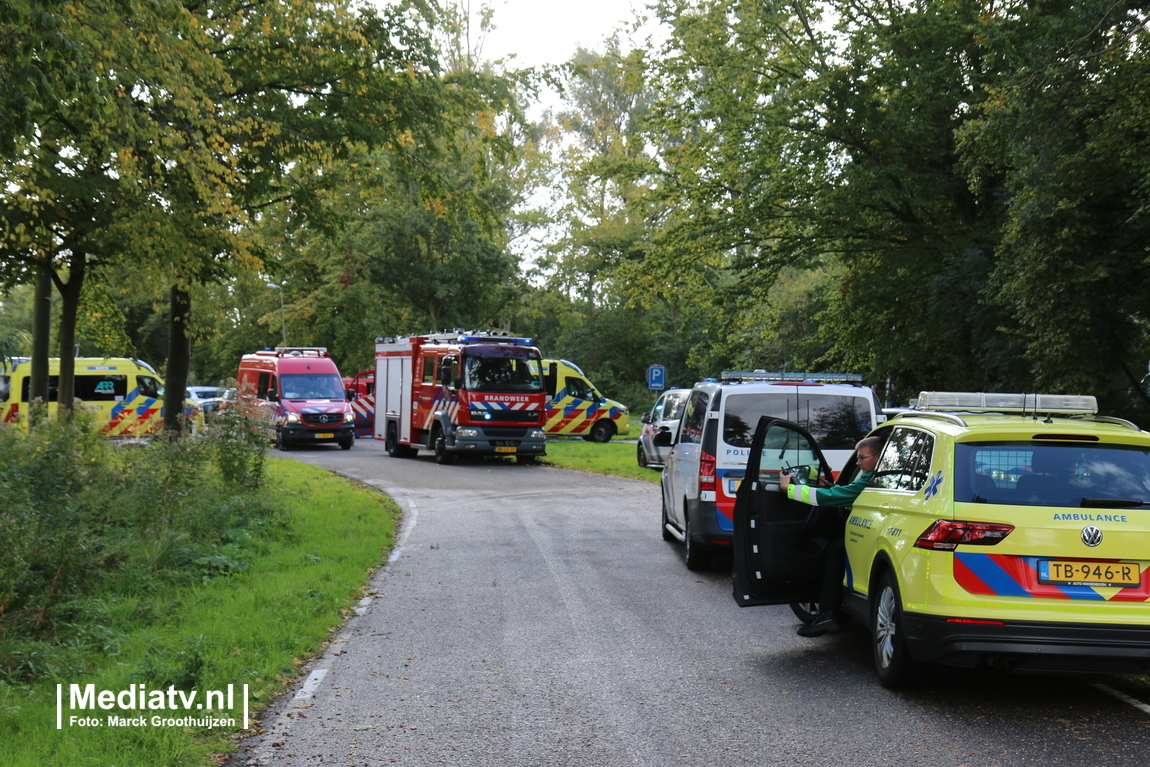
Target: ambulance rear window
[5, 387]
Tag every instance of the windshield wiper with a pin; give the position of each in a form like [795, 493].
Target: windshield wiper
[1103, 503]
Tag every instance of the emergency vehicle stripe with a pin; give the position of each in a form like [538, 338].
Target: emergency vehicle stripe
[1005, 575]
[803, 493]
[993, 574]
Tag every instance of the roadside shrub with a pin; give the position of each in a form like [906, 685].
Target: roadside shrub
[86, 515]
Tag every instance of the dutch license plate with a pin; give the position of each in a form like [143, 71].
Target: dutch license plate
[325, 436]
[505, 449]
[1063, 573]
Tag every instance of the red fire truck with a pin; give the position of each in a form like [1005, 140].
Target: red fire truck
[460, 393]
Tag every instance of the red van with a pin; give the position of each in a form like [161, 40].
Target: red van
[296, 394]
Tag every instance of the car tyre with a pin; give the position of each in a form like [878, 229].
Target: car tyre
[602, 431]
[805, 611]
[641, 456]
[443, 456]
[696, 554]
[892, 660]
[281, 443]
[346, 444]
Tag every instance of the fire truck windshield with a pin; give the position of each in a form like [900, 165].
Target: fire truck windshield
[502, 374]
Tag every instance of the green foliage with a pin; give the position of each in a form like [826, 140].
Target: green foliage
[83, 514]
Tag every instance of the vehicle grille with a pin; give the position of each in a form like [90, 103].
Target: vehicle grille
[505, 416]
[322, 419]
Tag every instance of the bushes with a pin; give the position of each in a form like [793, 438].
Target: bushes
[83, 514]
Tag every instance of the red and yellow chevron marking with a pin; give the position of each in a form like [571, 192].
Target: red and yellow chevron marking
[1013, 576]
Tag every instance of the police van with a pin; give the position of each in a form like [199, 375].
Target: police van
[126, 395]
[708, 455]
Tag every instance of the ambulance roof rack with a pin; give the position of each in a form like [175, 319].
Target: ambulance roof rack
[736, 376]
[297, 351]
[1039, 404]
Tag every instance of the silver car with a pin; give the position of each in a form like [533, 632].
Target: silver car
[664, 415]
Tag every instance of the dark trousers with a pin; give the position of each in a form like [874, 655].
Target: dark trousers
[831, 594]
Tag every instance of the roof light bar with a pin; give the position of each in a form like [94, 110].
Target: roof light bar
[1070, 404]
[763, 375]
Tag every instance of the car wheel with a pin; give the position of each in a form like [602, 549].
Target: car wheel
[641, 456]
[696, 555]
[281, 443]
[805, 611]
[443, 456]
[525, 460]
[346, 444]
[892, 661]
[602, 431]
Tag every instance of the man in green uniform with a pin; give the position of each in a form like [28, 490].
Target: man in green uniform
[831, 618]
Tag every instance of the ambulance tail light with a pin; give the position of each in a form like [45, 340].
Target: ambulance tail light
[706, 472]
[946, 535]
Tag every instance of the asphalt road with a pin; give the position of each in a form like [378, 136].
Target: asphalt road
[534, 616]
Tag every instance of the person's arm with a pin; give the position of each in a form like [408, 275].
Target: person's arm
[840, 495]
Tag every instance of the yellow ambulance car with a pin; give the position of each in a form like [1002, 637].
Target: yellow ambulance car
[126, 395]
[576, 407]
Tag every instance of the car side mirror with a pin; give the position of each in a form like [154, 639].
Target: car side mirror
[351, 395]
[646, 418]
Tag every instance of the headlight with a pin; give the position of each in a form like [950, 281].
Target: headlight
[537, 434]
[349, 417]
[466, 432]
[293, 417]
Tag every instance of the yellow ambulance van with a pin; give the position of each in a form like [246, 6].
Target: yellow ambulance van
[126, 395]
[576, 407]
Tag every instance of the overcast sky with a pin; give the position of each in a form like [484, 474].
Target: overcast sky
[548, 31]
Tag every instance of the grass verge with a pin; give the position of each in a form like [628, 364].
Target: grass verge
[253, 627]
[614, 457]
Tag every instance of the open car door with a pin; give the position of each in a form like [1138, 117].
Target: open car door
[780, 545]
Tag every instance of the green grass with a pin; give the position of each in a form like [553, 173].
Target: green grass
[614, 457]
[255, 627]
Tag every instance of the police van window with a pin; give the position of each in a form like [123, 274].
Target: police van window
[905, 462]
[835, 422]
[148, 386]
[695, 418]
[673, 405]
[429, 370]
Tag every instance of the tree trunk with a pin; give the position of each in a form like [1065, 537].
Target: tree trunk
[69, 309]
[41, 345]
[179, 361]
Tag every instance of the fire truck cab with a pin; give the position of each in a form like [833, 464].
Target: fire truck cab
[460, 393]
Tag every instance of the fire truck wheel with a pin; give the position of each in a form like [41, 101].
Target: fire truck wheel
[443, 456]
[391, 443]
[525, 460]
[281, 443]
[602, 431]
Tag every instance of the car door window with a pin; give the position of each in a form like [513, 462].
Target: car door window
[905, 462]
[694, 418]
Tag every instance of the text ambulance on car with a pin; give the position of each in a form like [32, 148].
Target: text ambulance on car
[1005, 530]
[126, 395]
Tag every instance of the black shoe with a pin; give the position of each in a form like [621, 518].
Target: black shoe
[825, 623]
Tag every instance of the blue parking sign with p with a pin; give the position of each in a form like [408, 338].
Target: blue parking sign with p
[656, 377]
